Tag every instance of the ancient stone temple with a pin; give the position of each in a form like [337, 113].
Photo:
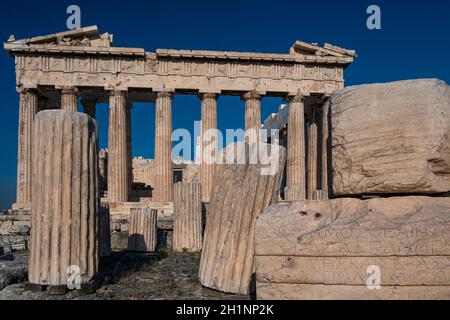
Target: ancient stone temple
[58, 70]
[362, 186]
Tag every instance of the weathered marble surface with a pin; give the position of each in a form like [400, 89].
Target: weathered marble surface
[65, 201]
[391, 138]
[188, 231]
[95, 62]
[240, 194]
[163, 148]
[322, 249]
[142, 234]
[208, 125]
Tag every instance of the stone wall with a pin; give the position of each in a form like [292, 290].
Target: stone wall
[15, 229]
[144, 171]
[388, 143]
[326, 249]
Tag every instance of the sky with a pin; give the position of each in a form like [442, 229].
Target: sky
[414, 42]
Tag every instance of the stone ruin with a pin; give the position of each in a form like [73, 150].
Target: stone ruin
[389, 206]
[363, 188]
[240, 194]
[65, 202]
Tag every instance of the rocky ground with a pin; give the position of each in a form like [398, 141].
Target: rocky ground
[127, 276]
[13, 271]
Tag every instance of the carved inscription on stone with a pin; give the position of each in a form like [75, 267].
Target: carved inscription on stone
[324, 249]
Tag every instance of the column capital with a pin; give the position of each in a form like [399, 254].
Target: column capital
[208, 95]
[164, 94]
[298, 98]
[21, 89]
[68, 90]
[252, 95]
[117, 93]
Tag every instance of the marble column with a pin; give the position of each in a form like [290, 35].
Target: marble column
[187, 208]
[163, 148]
[143, 230]
[325, 137]
[295, 164]
[129, 151]
[89, 107]
[28, 106]
[117, 148]
[252, 113]
[209, 144]
[69, 99]
[65, 200]
[312, 159]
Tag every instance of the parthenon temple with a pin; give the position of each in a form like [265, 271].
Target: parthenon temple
[361, 185]
[59, 70]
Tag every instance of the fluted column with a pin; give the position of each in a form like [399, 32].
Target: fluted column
[27, 110]
[89, 107]
[252, 113]
[129, 151]
[143, 231]
[117, 149]
[69, 99]
[241, 193]
[325, 137]
[163, 148]
[64, 218]
[296, 166]
[312, 159]
[187, 229]
[209, 144]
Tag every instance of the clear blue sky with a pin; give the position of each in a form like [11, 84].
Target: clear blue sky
[414, 43]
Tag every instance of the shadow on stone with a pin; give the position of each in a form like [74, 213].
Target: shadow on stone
[136, 242]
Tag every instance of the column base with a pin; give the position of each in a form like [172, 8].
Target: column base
[21, 206]
[294, 194]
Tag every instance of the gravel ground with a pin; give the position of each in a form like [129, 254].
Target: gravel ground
[129, 276]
